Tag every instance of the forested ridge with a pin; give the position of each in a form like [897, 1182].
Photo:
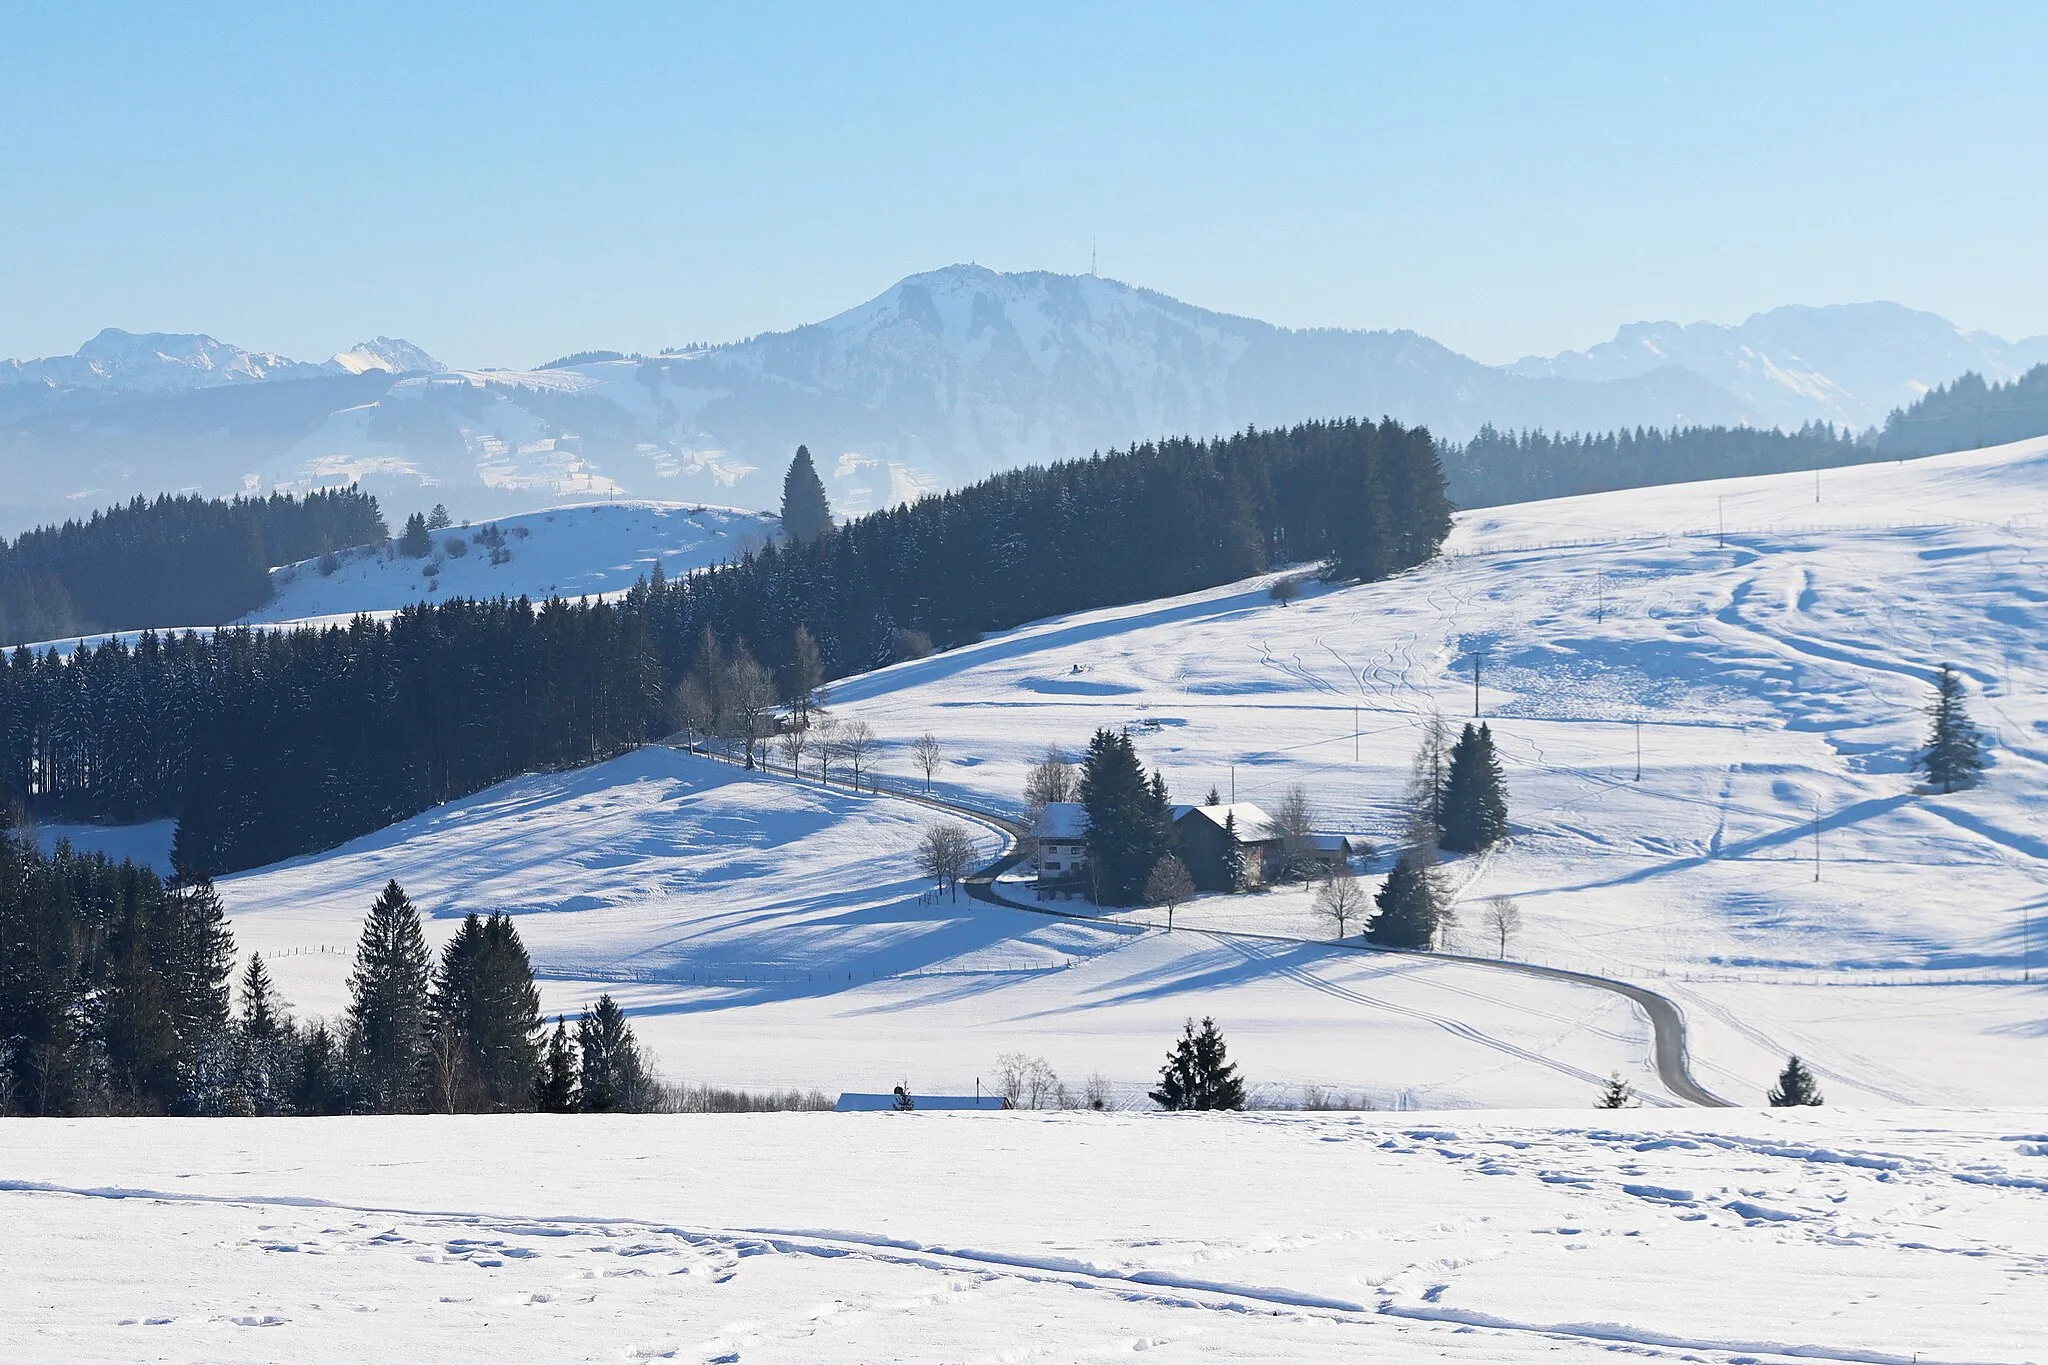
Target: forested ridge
[268, 744]
[171, 561]
[1498, 467]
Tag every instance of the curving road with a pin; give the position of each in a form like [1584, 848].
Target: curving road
[1667, 1021]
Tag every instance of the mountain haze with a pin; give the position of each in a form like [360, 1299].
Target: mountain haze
[942, 378]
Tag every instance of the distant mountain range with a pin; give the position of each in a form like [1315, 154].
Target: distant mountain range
[943, 378]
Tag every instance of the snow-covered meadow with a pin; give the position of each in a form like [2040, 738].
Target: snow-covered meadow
[573, 551]
[1770, 639]
[771, 934]
[1736, 1236]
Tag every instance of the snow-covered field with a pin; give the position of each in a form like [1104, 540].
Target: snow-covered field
[1776, 674]
[1773, 672]
[1728, 1237]
[575, 551]
[772, 934]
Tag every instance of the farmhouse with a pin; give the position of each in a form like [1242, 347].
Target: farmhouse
[1060, 840]
[1205, 833]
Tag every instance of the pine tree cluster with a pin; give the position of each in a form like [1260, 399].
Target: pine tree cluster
[265, 745]
[1497, 467]
[173, 561]
[1130, 820]
[115, 999]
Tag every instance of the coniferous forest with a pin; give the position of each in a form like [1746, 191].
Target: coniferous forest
[264, 745]
[174, 561]
[1497, 467]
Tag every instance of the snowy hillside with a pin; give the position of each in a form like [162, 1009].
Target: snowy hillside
[1776, 670]
[576, 551]
[1779, 673]
[784, 1238]
[770, 934]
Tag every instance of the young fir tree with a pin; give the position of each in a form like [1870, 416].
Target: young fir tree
[1795, 1087]
[1198, 1073]
[416, 540]
[486, 1017]
[806, 514]
[1129, 820]
[554, 1087]
[319, 1081]
[611, 1076]
[1955, 751]
[388, 1005]
[1408, 907]
[1237, 870]
[1475, 807]
[1616, 1094]
[264, 1044]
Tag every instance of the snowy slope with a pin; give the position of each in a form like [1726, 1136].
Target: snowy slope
[1783, 670]
[576, 551]
[767, 933]
[782, 1239]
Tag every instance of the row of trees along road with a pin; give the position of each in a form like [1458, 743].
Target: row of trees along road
[264, 745]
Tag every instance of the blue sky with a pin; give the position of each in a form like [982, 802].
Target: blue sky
[506, 183]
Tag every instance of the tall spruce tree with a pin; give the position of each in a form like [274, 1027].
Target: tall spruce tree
[1475, 807]
[610, 1073]
[1198, 1073]
[1955, 750]
[1129, 820]
[388, 1006]
[1409, 907]
[486, 1019]
[806, 514]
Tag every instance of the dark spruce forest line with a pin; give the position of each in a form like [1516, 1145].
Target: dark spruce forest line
[267, 744]
[1497, 467]
[174, 561]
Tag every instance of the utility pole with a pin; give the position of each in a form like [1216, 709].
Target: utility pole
[1639, 748]
[1477, 656]
[1721, 520]
[1233, 784]
[1816, 839]
[1354, 734]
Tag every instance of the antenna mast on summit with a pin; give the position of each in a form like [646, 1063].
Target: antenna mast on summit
[1092, 271]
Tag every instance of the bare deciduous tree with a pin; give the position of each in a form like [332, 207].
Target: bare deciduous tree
[693, 711]
[1432, 769]
[1051, 780]
[795, 737]
[1169, 884]
[1340, 898]
[825, 743]
[1294, 819]
[1028, 1083]
[926, 752]
[1503, 920]
[1285, 590]
[945, 854]
[856, 743]
[748, 702]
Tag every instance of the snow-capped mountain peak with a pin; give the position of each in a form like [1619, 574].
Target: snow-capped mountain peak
[391, 354]
[153, 362]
